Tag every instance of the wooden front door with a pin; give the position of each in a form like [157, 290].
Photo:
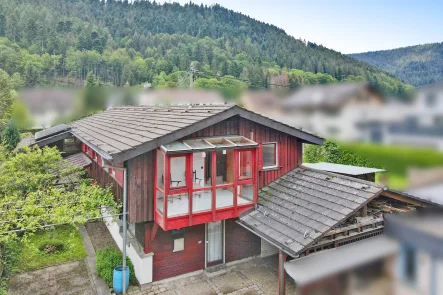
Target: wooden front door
[214, 243]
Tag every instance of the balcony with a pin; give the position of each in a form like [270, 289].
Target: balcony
[204, 180]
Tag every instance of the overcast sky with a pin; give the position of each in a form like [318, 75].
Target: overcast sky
[348, 26]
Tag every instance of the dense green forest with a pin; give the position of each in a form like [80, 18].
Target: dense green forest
[47, 42]
[417, 65]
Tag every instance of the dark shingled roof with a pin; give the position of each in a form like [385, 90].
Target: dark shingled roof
[27, 141]
[297, 209]
[79, 159]
[121, 133]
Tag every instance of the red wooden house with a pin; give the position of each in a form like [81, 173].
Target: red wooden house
[212, 184]
[191, 171]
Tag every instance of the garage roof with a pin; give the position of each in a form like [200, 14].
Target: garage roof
[297, 209]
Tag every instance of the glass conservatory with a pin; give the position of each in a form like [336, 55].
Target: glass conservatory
[204, 180]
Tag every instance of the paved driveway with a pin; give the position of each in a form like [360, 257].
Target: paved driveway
[256, 276]
[64, 279]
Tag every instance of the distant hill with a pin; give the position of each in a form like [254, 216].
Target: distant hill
[417, 65]
[139, 41]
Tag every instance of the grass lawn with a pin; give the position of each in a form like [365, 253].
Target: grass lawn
[31, 257]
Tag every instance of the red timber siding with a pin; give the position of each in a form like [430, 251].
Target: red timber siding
[168, 264]
[289, 148]
[104, 180]
[240, 243]
[141, 188]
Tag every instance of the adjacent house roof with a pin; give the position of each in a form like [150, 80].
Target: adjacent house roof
[320, 265]
[122, 133]
[325, 96]
[432, 193]
[79, 159]
[297, 209]
[342, 169]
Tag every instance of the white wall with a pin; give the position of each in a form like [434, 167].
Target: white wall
[142, 262]
[267, 249]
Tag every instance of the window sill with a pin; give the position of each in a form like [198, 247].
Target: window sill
[270, 168]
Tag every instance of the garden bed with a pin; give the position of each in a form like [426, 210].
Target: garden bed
[100, 236]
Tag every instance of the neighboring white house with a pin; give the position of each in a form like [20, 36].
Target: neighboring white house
[358, 112]
[331, 111]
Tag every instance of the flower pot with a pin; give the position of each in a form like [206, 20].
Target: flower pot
[117, 281]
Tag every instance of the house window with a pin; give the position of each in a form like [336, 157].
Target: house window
[245, 164]
[269, 155]
[431, 100]
[179, 244]
[410, 265]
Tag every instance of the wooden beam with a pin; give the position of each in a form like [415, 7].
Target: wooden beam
[364, 211]
[154, 231]
[399, 197]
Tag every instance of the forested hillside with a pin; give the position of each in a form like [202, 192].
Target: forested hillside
[417, 65]
[61, 41]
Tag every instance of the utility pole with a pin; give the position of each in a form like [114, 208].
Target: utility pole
[192, 71]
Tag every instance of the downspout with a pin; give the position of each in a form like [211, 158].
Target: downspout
[124, 214]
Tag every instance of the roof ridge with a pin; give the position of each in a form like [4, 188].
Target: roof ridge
[173, 105]
[382, 186]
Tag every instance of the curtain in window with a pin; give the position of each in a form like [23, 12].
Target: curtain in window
[215, 241]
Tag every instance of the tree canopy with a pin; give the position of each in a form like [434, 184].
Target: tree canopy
[417, 65]
[61, 41]
[40, 189]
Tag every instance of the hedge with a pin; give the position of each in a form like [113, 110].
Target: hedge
[109, 258]
[397, 159]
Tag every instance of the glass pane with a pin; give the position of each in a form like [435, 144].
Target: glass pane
[224, 197]
[201, 201]
[241, 141]
[198, 144]
[245, 163]
[175, 146]
[160, 169]
[225, 166]
[269, 155]
[160, 197]
[178, 171]
[245, 194]
[219, 142]
[178, 204]
[201, 166]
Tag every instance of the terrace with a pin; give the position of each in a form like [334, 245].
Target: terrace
[204, 180]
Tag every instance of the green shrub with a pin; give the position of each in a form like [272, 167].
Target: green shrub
[109, 258]
[51, 246]
[397, 159]
[333, 152]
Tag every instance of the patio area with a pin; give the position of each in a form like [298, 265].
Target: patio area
[255, 276]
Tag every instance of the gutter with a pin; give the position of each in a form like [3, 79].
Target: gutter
[266, 239]
[99, 151]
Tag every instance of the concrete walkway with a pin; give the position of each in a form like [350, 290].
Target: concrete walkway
[256, 276]
[99, 285]
[64, 279]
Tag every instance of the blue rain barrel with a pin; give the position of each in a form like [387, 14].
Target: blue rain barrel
[118, 279]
